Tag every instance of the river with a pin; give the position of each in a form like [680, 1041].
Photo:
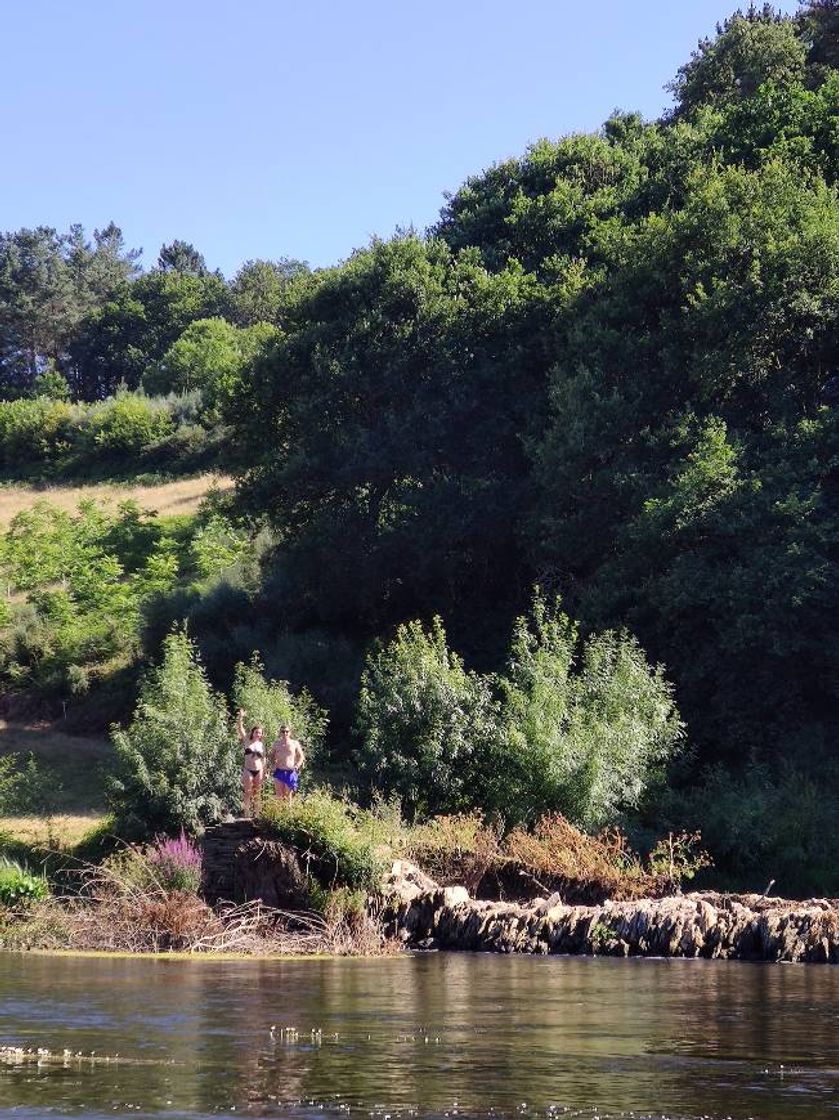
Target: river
[447, 1035]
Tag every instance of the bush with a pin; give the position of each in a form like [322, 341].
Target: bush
[332, 837]
[765, 824]
[19, 887]
[424, 723]
[177, 762]
[581, 728]
[34, 431]
[128, 423]
[455, 849]
[587, 727]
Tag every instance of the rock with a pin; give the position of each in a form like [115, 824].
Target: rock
[406, 881]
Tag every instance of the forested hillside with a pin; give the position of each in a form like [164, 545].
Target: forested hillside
[610, 372]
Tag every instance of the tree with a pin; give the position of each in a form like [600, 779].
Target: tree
[818, 23]
[588, 726]
[210, 353]
[177, 762]
[405, 338]
[38, 304]
[424, 723]
[749, 49]
[119, 340]
[181, 256]
[48, 283]
[258, 289]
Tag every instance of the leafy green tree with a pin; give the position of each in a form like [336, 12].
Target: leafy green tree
[119, 339]
[210, 355]
[48, 283]
[403, 339]
[52, 385]
[177, 763]
[749, 49]
[257, 292]
[38, 304]
[818, 23]
[181, 256]
[424, 723]
[589, 726]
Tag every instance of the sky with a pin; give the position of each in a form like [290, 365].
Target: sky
[271, 128]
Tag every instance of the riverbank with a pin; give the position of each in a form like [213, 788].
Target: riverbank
[715, 926]
[415, 910]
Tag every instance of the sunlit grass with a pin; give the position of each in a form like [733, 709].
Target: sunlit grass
[72, 765]
[65, 829]
[168, 498]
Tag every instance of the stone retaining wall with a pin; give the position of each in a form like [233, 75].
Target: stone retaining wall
[681, 926]
[242, 862]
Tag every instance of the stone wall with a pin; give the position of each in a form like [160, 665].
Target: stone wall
[692, 925]
[242, 862]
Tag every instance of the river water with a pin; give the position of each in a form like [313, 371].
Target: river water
[443, 1035]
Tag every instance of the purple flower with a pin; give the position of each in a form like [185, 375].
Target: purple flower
[176, 862]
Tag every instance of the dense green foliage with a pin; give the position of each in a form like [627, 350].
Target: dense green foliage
[19, 887]
[340, 842]
[580, 728]
[178, 762]
[126, 435]
[83, 583]
[611, 369]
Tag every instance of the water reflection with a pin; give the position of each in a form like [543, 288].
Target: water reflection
[430, 1034]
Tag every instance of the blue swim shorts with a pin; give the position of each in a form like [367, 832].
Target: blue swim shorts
[290, 777]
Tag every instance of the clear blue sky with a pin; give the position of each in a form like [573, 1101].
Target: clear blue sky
[300, 128]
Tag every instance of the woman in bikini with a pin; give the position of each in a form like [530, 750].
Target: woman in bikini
[253, 766]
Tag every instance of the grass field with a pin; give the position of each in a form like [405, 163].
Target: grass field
[180, 496]
[73, 764]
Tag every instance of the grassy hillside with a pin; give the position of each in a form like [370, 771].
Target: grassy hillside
[73, 795]
[167, 498]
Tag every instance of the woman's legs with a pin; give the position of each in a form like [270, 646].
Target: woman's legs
[252, 790]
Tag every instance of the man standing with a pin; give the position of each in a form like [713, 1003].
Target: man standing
[288, 761]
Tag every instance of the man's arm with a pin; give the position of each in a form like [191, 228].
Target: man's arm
[299, 757]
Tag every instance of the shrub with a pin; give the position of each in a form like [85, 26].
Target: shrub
[455, 849]
[331, 836]
[128, 422]
[424, 723]
[34, 430]
[558, 856]
[763, 824]
[19, 887]
[177, 762]
[587, 727]
[272, 704]
[175, 863]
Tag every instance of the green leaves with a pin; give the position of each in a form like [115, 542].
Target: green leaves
[177, 762]
[583, 728]
[425, 724]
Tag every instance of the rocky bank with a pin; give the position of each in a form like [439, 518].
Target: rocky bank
[239, 864]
